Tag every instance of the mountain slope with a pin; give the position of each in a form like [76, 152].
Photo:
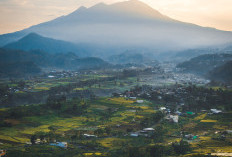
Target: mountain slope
[34, 41]
[129, 57]
[204, 63]
[126, 25]
[18, 69]
[222, 73]
[31, 62]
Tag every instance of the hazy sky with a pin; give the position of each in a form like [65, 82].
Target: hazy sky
[19, 14]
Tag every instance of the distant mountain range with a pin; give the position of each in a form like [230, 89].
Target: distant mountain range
[203, 64]
[112, 29]
[191, 53]
[133, 56]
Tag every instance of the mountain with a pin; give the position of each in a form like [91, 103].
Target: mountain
[190, 53]
[204, 63]
[222, 73]
[16, 63]
[18, 69]
[130, 56]
[12, 56]
[124, 25]
[34, 41]
[34, 62]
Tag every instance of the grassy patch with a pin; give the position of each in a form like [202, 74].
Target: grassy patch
[201, 116]
[41, 88]
[208, 121]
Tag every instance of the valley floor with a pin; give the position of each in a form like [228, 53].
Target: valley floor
[103, 115]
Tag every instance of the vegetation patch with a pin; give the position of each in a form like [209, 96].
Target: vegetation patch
[208, 121]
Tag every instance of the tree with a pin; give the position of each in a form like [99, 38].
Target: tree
[21, 84]
[158, 135]
[52, 128]
[99, 132]
[41, 135]
[157, 151]
[108, 130]
[33, 139]
[135, 152]
[181, 147]
[74, 107]
[55, 102]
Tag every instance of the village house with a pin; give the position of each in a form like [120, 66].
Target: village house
[89, 136]
[149, 129]
[162, 108]
[146, 132]
[173, 118]
[140, 101]
[190, 137]
[178, 113]
[229, 131]
[2, 153]
[60, 144]
[134, 134]
[215, 111]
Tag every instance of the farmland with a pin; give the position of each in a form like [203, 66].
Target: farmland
[103, 115]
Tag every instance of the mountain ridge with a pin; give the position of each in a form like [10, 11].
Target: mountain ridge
[34, 41]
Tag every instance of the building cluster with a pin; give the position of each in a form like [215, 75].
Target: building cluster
[61, 74]
[146, 132]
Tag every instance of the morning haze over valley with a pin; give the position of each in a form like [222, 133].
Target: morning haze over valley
[115, 78]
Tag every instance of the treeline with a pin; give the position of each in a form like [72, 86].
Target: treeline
[193, 97]
[8, 98]
[58, 105]
[157, 150]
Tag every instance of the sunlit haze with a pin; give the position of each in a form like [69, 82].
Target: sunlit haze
[19, 14]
